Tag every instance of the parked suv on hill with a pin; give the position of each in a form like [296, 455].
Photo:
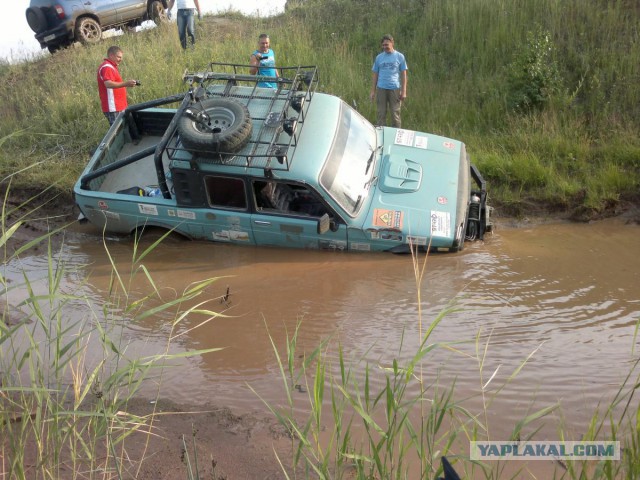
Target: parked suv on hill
[58, 23]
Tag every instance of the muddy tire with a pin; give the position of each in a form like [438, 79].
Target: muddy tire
[228, 130]
[157, 13]
[36, 19]
[88, 31]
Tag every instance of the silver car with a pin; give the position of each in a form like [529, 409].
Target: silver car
[58, 23]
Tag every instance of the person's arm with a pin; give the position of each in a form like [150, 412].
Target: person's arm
[374, 84]
[125, 84]
[254, 61]
[197, 3]
[274, 65]
[403, 85]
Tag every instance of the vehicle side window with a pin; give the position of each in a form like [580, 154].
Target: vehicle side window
[292, 199]
[226, 192]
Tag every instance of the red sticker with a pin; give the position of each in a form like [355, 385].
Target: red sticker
[442, 200]
[103, 205]
[448, 145]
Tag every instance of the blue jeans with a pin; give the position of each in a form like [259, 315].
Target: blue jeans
[186, 25]
[111, 116]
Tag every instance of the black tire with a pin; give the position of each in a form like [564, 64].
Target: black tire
[157, 13]
[54, 48]
[36, 19]
[88, 31]
[229, 128]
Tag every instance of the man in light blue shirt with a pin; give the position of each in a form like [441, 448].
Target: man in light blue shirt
[263, 61]
[389, 86]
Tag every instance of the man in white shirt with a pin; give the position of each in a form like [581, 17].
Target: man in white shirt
[185, 19]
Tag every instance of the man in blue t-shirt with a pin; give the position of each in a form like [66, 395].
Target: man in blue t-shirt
[263, 61]
[389, 86]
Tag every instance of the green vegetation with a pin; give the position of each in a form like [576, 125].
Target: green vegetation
[66, 386]
[545, 94]
[403, 429]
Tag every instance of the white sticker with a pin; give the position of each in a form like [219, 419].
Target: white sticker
[146, 209]
[186, 214]
[413, 240]
[440, 224]
[363, 247]
[421, 142]
[239, 236]
[220, 236]
[405, 137]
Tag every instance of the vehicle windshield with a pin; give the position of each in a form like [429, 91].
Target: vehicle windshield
[349, 168]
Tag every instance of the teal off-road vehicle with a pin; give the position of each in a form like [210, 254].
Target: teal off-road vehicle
[231, 162]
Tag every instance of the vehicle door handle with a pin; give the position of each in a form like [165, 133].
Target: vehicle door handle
[261, 222]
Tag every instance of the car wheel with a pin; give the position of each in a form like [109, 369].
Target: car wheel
[54, 48]
[88, 31]
[36, 20]
[157, 13]
[226, 130]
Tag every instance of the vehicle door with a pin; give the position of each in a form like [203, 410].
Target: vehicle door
[104, 9]
[128, 10]
[287, 215]
[228, 218]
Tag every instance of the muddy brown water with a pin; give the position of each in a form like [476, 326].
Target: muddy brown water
[566, 293]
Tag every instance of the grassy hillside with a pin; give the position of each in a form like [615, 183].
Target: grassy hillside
[545, 94]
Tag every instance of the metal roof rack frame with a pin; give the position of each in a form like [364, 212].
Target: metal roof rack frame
[277, 114]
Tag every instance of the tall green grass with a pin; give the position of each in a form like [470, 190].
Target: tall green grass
[546, 94]
[66, 380]
[396, 421]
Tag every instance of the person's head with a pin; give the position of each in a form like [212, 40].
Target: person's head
[114, 53]
[387, 43]
[263, 42]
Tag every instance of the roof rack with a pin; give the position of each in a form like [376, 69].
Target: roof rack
[277, 114]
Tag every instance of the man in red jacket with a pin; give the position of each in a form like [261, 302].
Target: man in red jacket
[111, 87]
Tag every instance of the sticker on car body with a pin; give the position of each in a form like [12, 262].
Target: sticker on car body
[147, 209]
[413, 240]
[387, 218]
[421, 142]
[362, 247]
[440, 224]
[404, 137]
[186, 214]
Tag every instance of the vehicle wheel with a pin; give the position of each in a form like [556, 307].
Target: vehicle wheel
[88, 31]
[227, 131]
[54, 48]
[157, 13]
[36, 20]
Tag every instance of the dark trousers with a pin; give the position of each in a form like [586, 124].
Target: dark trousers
[186, 26]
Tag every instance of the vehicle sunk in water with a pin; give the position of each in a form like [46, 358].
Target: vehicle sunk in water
[232, 162]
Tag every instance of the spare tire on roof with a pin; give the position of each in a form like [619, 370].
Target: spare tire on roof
[215, 125]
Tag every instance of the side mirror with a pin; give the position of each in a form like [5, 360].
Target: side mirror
[326, 223]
